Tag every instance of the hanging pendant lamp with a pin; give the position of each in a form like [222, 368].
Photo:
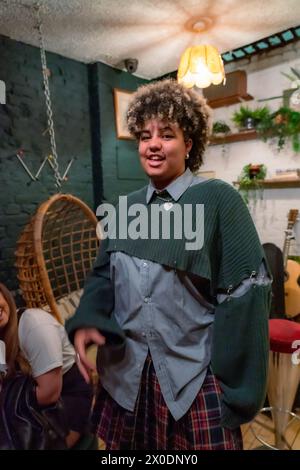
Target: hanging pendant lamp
[201, 66]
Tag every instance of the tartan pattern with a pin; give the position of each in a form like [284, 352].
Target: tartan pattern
[152, 427]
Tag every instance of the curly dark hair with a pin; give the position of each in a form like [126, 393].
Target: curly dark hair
[170, 101]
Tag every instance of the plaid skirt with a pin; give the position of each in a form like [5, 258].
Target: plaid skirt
[151, 426]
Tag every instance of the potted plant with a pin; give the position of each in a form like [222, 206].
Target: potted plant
[250, 179]
[282, 125]
[220, 128]
[246, 118]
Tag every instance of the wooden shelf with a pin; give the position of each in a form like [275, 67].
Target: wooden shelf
[251, 135]
[270, 184]
[230, 138]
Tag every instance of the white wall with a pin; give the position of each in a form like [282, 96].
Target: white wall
[270, 213]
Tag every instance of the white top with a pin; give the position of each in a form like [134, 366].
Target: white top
[2, 356]
[44, 342]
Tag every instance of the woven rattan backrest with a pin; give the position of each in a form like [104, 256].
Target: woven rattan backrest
[55, 251]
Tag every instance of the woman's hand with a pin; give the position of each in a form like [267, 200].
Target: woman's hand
[83, 338]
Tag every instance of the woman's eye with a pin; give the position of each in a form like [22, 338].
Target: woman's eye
[168, 136]
[144, 137]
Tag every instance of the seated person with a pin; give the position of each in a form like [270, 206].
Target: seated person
[12, 358]
[45, 345]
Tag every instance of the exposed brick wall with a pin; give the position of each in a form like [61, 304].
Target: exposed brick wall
[22, 125]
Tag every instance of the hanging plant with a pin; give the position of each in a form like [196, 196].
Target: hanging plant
[282, 125]
[250, 179]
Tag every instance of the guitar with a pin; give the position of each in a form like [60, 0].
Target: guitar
[292, 270]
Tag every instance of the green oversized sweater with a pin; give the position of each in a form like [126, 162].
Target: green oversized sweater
[231, 252]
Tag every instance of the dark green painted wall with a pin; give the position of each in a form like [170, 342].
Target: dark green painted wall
[121, 169]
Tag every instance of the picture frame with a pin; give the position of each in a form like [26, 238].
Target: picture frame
[121, 102]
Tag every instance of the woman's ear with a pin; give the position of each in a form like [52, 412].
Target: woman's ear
[189, 145]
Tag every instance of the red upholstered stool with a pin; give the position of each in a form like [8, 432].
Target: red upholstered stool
[284, 375]
[283, 379]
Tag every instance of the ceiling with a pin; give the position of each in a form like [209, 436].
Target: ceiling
[155, 32]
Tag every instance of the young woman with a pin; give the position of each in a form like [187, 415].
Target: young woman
[181, 317]
[41, 343]
[9, 333]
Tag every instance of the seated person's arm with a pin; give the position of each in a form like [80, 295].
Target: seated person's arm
[49, 386]
[42, 346]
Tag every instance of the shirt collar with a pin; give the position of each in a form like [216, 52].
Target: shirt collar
[175, 189]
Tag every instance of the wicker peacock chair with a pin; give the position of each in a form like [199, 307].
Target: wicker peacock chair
[55, 252]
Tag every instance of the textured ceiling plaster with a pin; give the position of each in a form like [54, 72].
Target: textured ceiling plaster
[155, 32]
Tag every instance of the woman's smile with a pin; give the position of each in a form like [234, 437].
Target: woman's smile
[155, 160]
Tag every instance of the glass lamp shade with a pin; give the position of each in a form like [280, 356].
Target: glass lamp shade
[201, 66]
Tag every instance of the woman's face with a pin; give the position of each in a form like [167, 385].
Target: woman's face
[4, 311]
[162, 151]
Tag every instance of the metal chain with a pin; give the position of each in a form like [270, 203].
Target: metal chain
[54, 157]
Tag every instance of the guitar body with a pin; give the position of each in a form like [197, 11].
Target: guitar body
[292, 289]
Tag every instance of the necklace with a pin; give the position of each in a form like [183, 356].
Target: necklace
[163, 198]
[167, 202]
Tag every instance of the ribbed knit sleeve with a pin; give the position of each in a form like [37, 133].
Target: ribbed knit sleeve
[240, 354]
[97, 302]
[240, 340]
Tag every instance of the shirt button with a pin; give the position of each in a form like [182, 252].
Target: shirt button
[143, 334]
[146, 300]
[145, 265]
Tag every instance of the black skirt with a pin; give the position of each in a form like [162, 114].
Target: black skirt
[77, 397]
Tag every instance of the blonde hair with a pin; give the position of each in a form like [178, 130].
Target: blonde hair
[167, 100]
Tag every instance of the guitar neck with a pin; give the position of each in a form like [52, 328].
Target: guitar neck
[286, 249]
[289, 235]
